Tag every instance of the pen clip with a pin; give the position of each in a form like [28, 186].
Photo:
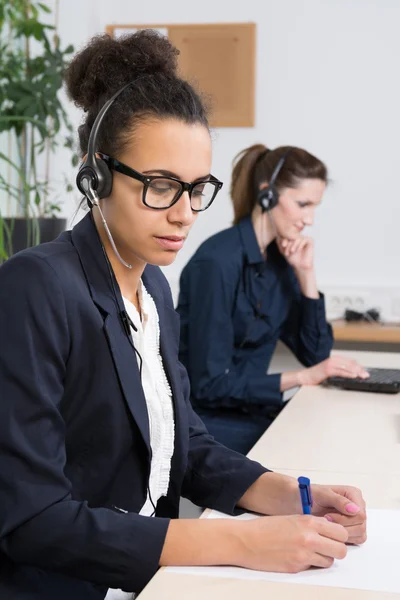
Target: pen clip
[305, 489]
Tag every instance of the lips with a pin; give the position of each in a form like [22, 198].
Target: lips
[171, 242]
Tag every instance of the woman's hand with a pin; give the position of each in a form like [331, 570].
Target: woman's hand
[285, 543]
[278, 494]
[344, 505]
[299, 252]
[335, 366]
[291, 544]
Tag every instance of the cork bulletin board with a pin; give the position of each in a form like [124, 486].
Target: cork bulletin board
[220, 60]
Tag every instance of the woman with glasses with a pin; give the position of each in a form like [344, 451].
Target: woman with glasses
[97, 435]
[248, 287]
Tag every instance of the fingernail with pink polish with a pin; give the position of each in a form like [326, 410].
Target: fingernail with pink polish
[352, 508]
[328, 518]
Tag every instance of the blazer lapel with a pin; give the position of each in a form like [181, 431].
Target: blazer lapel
[125, 361]
[86, 240]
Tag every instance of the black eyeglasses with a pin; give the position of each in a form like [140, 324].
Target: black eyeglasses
[160, 192]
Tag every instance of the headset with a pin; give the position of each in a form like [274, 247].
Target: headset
[94, 178]
[268, 197]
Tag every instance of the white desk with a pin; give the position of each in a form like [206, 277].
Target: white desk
[332, 437]
[325, 429]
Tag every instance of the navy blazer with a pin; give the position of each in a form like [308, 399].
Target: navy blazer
[74, 432]
[234, 307]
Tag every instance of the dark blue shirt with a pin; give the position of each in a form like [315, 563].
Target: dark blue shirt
[234, 307]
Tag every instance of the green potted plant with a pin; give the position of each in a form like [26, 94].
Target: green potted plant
[33, 124]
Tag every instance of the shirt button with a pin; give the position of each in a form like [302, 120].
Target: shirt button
[226, 371]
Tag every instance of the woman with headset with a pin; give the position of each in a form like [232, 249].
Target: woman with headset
[97, 435]
[258, 286]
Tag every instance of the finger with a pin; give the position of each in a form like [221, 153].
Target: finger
[331, 530]
[353, 494]
[298, 246]
[358, 541]
[285, 247]
[293, 245]
[350, 366]
[318, 560]
[348, 521]
[344, 503]
[356, 532]
[330, 548]
[343, 371]
[359, 518]
[350, 371]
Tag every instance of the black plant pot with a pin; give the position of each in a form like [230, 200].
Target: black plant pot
[22, 235]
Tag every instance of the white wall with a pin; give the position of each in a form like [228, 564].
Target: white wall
[327, 80]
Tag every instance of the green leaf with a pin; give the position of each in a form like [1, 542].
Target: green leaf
[44, 7]
[37, 199]
[12, 164]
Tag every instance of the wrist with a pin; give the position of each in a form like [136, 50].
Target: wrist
[272, 494]
[307, 282]
[202, 542]
[291, 379]
[302, 377]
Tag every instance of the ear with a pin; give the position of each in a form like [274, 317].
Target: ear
[263, 185]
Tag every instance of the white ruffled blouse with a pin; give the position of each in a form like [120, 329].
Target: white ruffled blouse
[158, 396]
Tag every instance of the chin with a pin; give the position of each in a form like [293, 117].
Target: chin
[292, 234]
[163, 259]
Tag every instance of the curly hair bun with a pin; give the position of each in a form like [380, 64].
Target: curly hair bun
[107, 64]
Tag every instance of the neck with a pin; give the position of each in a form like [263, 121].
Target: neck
[264, 228]
[127, 279]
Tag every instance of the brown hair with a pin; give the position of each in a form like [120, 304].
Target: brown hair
[255, 165]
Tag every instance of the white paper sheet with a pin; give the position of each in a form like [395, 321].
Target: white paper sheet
[372, 566]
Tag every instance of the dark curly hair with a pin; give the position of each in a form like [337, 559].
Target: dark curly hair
[106, 64]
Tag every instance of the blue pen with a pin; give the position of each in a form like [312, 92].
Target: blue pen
[305, 495]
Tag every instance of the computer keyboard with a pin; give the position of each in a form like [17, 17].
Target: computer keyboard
[383, 381]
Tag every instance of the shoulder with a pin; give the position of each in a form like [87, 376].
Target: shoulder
[222, 244]
[222, 252]
[38, 272]
[48, 254]
[43, 258]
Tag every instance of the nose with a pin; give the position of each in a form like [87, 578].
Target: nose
[309, 218]
[181, 212]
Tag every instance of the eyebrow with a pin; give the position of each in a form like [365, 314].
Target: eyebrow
[171, 174]
[310, 202]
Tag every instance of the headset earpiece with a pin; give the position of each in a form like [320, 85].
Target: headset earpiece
[268, 197]
[94, 174]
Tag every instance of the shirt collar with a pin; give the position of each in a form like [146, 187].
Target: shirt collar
[139, 320]
[249, 241]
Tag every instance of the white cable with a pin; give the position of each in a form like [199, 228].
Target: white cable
[94, 200]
